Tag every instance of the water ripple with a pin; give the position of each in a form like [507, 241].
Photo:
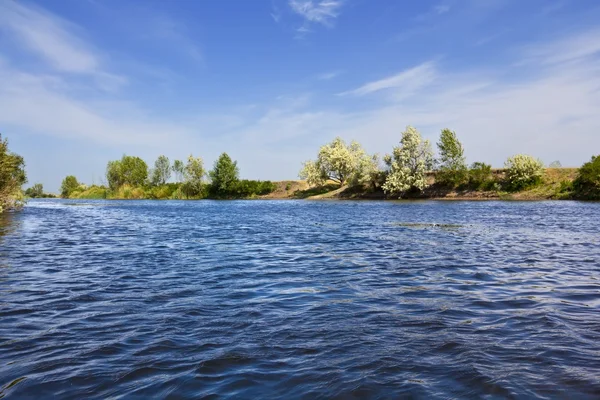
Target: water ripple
[300, 299]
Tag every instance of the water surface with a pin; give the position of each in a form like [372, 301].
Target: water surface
[300, 299]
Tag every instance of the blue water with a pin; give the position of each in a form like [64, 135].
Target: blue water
[300, 299]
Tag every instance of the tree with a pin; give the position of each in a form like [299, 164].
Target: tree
[555, 164]
[408, 164]
[523, 171]
[178, 168]
[162, 171]
[194, 176]
[129, 170]
[36, 191]
[12, 176]
[224, 175]
[453, 167]
[341, 163]
[480, 175]
[587, 183]
[68, 186]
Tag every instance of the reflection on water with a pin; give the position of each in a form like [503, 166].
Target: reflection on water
[300, 299]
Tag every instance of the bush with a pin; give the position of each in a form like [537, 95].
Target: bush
[523, 171]
[249, 188]
[480, 176]
[587, 183]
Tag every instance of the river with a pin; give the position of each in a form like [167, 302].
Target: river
[300, 299]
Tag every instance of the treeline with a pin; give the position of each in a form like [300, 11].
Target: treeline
[407, 171]
[131, 178]
[12, 177]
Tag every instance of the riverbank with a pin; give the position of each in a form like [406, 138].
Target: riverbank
[556, 184]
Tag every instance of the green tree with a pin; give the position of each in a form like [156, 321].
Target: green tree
[68, 186]
[12, 176]
[36, 191]
[162, 171]
[128, 170]
[178, 169]
[408, 164]
[224, 175]
[193, 173]
[587, 183]
[452, 169]
[480, 175]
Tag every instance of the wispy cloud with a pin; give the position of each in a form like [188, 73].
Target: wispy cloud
[570, 49]
[328, 75]
[56, 41]
[322, 12]
[441, 9]
[175, 33]
[405, 81]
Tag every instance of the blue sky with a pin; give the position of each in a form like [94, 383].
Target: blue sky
[268, 81]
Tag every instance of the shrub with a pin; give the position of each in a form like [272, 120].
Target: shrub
[587, 183]
[480, 176]
[523, 171]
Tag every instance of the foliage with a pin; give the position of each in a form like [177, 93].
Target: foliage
[224, 175]
[341, 163]
[12, 176]
[408, 164]
[132, 171]
[36, 191]
[587, 183]
[178, 169]
[249, 188]
[193, 177]
[68, 186]
[161, 172]
[480, 175]
[523, 171]
[92, 192]
[453, 167]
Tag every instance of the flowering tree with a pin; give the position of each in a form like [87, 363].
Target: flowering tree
[523, 170]
[341, 163]
[408, 163]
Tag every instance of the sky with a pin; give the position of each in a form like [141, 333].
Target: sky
[83, 82]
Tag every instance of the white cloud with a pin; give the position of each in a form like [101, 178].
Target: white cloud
[328, 75]
[48, 36]
[56, 41]
[441, 9]
[570, 49]
[404, 82]
[322, 12]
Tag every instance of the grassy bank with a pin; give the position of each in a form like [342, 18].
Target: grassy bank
[556, 184]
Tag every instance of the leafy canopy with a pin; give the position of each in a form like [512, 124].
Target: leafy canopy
[523, 171]
[68, 186]
[12, 176]
[452, 169]
[408, 164]
[129, 170]
[225, 174]
[341, 163]
[587, 182]
[161, 172]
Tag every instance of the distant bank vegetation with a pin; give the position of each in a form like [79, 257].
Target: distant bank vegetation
[411, 170]
[131, 178]
[12, 177]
